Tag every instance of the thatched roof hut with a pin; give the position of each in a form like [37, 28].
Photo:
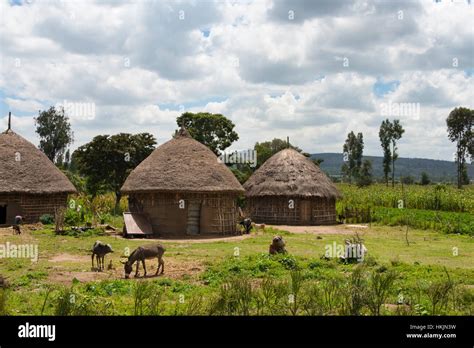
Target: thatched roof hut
[182, 164]
[30, 184]
[290, 189]
[183, 189]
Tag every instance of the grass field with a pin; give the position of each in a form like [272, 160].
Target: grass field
[434, 274]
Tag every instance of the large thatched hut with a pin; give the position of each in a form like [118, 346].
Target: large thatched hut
[30, 184]
[183, 189]
[289, 189]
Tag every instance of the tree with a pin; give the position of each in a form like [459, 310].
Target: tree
[408, 180]
[384, 135]
[106, 161]
[389, 134]
[55, 133]
[267, 149]
[213, 130]
[460, 130]
[365, 177]
[425, 179]
[353, 149]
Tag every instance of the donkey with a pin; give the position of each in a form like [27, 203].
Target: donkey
[143, 253]
[99, 250]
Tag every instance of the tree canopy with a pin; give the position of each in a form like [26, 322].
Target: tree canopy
[106, 161]
[213, 130]
[460, 130]
[55, 133]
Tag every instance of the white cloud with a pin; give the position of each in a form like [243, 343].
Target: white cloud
[274, 77]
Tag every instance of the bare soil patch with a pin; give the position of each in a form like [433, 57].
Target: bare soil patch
[332, 229]
[197, 239]
[174, 269]
[70, 258]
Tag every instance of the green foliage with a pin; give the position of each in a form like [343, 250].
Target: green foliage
[439, 197]
[380, 285]
[425, 179]
[213, 130]
[353, 149]
[408, 180]
[3, 301]
[55, 133]
[460, 123]
[107, 161]
[46, 219]
[267, 149]
[389, 134]
[364, 178]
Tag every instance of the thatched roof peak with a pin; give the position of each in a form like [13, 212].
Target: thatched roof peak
[289, 173]
[182, 164]
[182, 133]
[25, 169]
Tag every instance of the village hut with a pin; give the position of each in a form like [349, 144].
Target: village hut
[289, 189]
[183, 189]
[30, 184]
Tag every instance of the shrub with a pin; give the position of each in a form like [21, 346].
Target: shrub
[46, 219]
[379, 287]
[3, 301]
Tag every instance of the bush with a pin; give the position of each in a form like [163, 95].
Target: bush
[46, 219]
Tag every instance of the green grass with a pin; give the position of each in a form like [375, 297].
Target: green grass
[417, 265]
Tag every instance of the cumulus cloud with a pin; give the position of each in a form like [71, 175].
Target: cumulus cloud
[310, 70]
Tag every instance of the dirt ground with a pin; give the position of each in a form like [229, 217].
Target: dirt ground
[173, 269]
[333, 229]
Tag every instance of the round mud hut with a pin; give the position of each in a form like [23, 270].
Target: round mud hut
[30, 184]
[182, 189]
[289, 189]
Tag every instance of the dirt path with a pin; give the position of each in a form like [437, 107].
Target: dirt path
[196, 239]
[333, 229]
[174, 269]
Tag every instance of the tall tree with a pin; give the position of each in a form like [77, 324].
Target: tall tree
[396, 134]
[213, 130]
[389, 134]
[384, 135]
[106, 161]
[55, 133]
[353, 149]
[460, 130]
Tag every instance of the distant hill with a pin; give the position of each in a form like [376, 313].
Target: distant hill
[438, 171]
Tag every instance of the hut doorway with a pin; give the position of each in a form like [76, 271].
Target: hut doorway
[305, 212]
[3, 214]
[194, 218]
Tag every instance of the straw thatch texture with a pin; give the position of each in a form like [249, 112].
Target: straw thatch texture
[25, 169]
[289, 173]
[182, 165]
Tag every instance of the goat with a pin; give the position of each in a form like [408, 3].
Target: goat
[99, 250]
[143, 253]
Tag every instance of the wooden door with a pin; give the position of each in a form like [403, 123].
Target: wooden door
[305, 212]
[194, 218]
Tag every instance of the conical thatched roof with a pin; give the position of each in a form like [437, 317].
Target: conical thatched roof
[289, 173]
[182, 164]
[25, 169]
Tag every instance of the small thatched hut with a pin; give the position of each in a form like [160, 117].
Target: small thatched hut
[289, 189]
[30, 184]
[183, 189]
